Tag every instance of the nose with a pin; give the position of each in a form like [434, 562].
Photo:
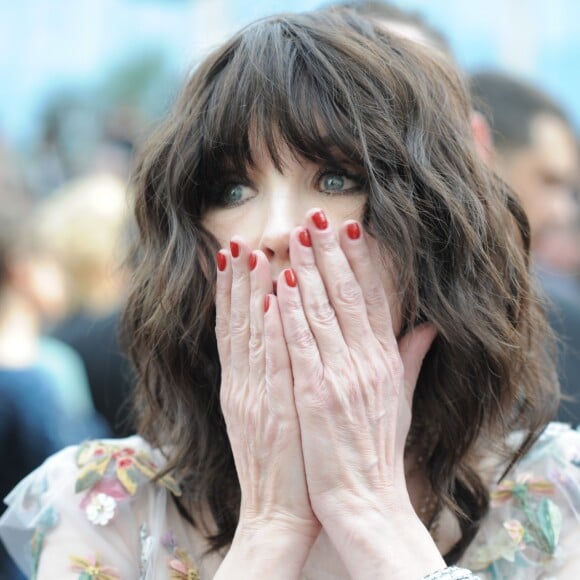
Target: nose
[281, 217]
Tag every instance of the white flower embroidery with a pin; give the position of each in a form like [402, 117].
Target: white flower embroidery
[101, 509]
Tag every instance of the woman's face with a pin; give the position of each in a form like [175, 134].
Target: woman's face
[265, 206]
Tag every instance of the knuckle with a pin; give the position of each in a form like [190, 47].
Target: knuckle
[256, 355]
[222, 327]
[327, 244]
[348, 293]
[293, 303]
[256, 337]
[321, 313]
[238, 323]
[375, 295]
[302, 339]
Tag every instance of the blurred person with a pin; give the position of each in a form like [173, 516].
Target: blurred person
[113, 151]
[36, 291]
[406, 23]
[86, 220]
[536, 151]
[342, 362]
[42, 404]
[414, 26]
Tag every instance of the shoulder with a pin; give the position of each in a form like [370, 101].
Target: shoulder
[121, 468]
[534, 511]
[103, 492]
[129, 463]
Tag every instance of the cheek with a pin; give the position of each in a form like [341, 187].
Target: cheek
[342, 208]
[221, 227]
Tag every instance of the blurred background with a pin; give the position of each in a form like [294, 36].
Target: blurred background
[76, 73]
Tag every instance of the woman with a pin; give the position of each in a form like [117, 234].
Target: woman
[339, 392]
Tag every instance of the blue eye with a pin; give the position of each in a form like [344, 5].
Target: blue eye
[234, 194]
[332, 182]
[338, 182]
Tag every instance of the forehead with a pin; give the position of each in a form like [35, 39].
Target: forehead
[555, 145]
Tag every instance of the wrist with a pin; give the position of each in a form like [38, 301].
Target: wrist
[268, 550]
[393, 545]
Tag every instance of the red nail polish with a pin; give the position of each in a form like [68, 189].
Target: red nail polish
[235, 249]
[319, 219]
[266, 302]
[222, 261]
[304, 237]
[353, 231]
[290, 278]
[253, 260]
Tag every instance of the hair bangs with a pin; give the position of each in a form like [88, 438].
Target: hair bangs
[278, 91]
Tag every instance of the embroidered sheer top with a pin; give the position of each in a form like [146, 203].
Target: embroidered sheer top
[97, 512]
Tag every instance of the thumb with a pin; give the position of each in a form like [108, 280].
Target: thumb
[413, 347]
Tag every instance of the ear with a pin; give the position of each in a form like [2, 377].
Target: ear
[481, 132]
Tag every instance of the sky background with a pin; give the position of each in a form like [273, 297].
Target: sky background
[50, 45]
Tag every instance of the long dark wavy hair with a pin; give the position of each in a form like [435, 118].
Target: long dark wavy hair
[328, 85]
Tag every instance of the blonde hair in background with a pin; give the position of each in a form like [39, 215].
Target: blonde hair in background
[84, 224]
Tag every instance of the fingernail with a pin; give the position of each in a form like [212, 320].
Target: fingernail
[222, 261]
[353, 231]
[235, 249]
[253, 260]
[304, 237]
[290, 278]
[266, 302]
[319, 219]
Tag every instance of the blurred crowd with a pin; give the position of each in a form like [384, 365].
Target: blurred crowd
[65, 228]
[64, 232]
[63, 377]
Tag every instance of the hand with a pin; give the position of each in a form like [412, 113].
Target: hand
[258, 406]
[353, 386]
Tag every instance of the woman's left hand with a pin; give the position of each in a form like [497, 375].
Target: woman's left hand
[353, 388]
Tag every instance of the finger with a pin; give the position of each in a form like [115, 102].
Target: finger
[223, 305]
[331, 270]
[239, 326]
[413, 348]
[320, 314]
[371, 279]
[302, 347]
[260, 286]
[279, 379]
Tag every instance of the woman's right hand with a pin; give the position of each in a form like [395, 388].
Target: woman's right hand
[276, 521]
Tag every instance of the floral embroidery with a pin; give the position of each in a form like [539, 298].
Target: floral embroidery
[101, 509]
[46, 522]
[96, 459]
[501, 546]
[111, 474]
[181, 565]
[543, 518]
[91, 569]
[531, 537]
[509, 489]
